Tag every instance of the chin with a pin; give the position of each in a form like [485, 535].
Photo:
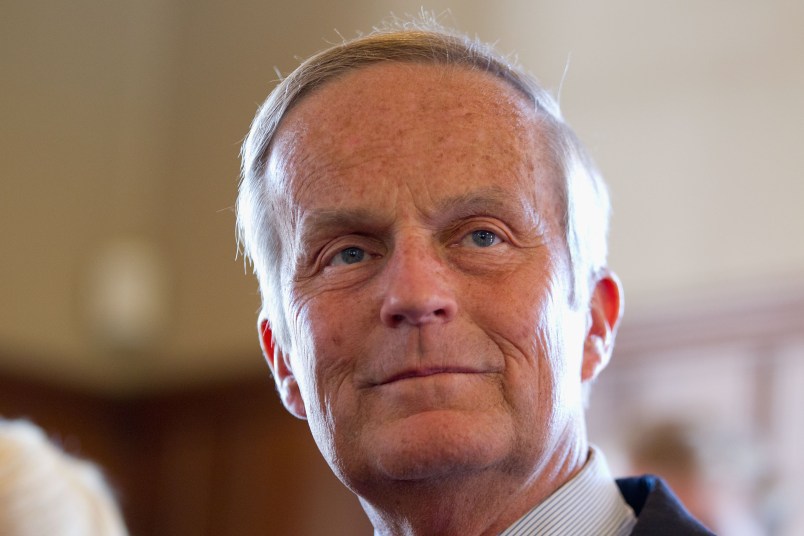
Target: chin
[437, 444]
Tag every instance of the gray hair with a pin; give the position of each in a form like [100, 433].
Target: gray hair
[45, 491]
[583, 197]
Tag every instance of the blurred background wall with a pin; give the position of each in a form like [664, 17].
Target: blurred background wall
[127, 321]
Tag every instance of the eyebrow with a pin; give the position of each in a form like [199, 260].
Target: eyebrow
[320, 220]
[492, 198]
[490, 201]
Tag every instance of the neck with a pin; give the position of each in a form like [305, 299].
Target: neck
[482, 503]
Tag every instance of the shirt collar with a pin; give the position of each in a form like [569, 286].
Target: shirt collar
[589, 503]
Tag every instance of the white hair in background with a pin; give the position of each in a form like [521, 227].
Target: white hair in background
[583, 196]
[46, 492]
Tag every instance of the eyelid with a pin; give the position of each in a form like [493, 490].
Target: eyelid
[332, 250]
[465, 229]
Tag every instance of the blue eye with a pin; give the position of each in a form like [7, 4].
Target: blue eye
[484, 238]
[349, 256]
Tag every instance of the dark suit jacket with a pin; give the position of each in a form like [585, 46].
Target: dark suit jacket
[658, 511]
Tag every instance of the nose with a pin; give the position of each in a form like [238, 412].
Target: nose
[419, 289]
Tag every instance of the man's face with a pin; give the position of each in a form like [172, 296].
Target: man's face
[424, 279]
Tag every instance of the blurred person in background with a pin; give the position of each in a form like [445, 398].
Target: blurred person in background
[46, 492]
[713, 473]
[429, 238]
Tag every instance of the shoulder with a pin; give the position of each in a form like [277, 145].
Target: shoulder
[658, 510]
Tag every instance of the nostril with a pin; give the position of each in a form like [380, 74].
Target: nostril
[401, 308]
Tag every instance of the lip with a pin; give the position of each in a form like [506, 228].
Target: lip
[410, 374]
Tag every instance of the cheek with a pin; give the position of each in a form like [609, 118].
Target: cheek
[523, 317]
[325, 338]
[544, 340]
[566, 350]
[327, 345]
[302, 357]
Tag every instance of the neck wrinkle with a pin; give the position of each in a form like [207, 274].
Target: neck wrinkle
[464, 505]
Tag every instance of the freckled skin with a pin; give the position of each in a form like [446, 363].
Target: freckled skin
[440, 378]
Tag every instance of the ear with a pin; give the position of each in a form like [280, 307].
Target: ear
[280, 367]
[605, 311]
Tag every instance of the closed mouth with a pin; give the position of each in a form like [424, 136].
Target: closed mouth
[425, 372]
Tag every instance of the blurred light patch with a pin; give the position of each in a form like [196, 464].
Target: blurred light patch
[126, 299]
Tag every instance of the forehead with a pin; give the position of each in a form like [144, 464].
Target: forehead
[430, 127]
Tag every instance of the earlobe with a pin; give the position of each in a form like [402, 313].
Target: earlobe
[605, 311]
[280, 367]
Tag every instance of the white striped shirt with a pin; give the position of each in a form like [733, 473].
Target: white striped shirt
[590, 503]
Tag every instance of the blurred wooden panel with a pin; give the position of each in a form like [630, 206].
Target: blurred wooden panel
[216, 461]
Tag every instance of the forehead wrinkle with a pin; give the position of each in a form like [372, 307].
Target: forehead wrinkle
[318, 174]
[342, 146]
[455, 92]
